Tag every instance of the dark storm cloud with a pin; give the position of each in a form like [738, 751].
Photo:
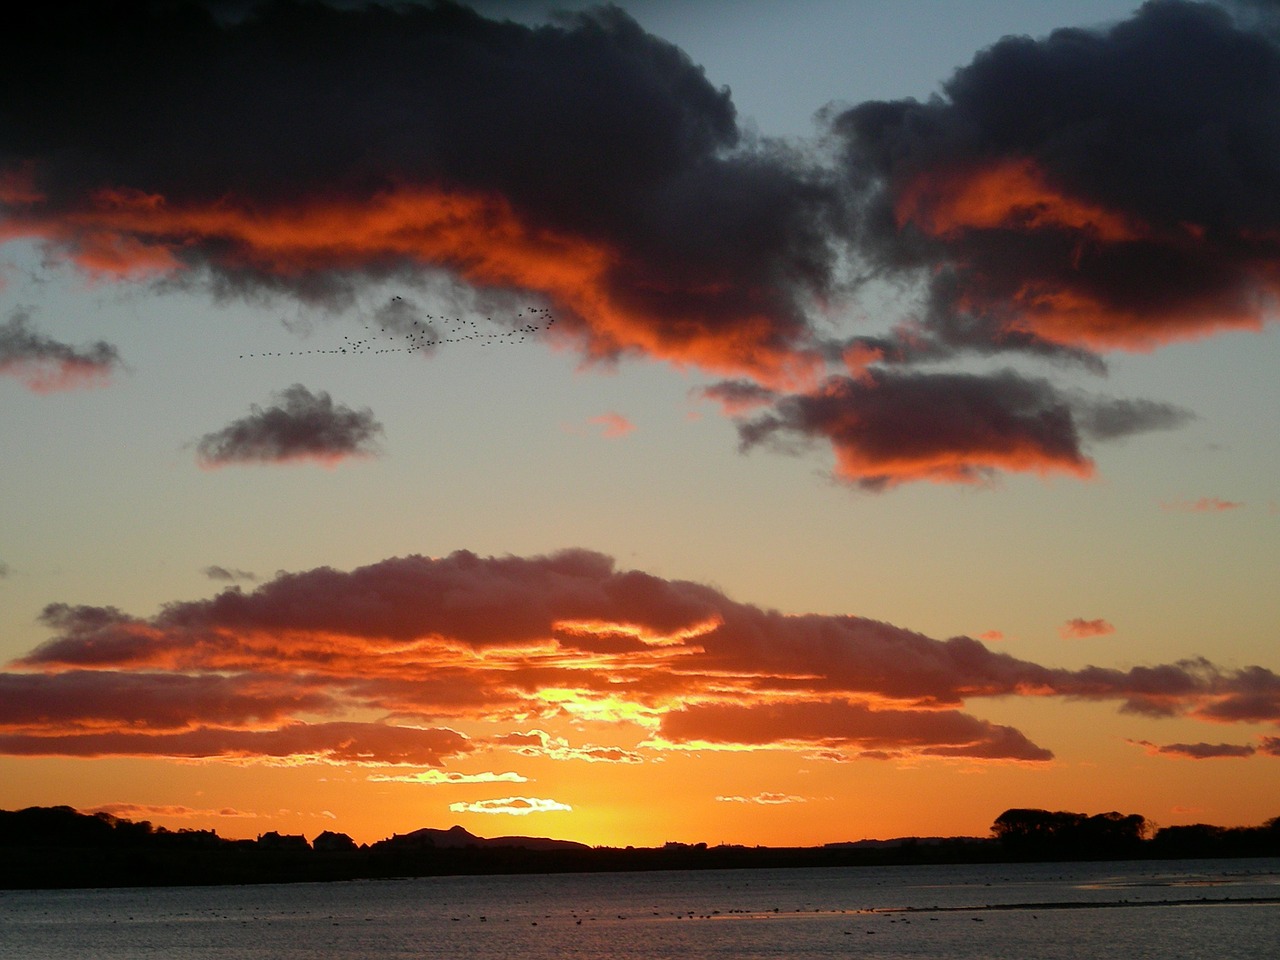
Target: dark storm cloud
[143, 136]
[301, 426]
[1061, 198]
[1093, 189]
[44, 364]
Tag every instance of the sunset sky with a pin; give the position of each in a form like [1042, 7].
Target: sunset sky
[756, 422]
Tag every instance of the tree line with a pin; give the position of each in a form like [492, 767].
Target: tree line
[1059, 835]
[47, 847]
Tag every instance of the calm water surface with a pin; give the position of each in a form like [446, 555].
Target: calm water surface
[1184, 909]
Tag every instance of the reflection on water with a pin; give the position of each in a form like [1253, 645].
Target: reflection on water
[1191, 909]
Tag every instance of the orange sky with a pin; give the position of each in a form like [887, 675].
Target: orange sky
[609, 447]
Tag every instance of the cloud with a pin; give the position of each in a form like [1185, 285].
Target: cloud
[513, 806]
[1255, 698]
[280, 672]
[765, 799]
[4, 570]
[1095, 189]
[736, 397]
[300, 426]
[1203, 505]
[436, 777]
[1062, 198]
[339, 742]
[141, 811]
[231, 575]
[1113, 419]
[613, 425]
[86, 700]
[538, 743]
[1198, 751]
[939, 733]
[1078, 628]
[585, 160]
[45, 365]
[891, 427]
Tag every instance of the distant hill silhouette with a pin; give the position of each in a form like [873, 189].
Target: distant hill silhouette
[61, 847]
[459, 838]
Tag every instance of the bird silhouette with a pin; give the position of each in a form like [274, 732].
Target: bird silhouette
[418, 337]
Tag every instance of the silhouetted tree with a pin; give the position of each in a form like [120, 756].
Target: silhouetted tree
[1070, 836]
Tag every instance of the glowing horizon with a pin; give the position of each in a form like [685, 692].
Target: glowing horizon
[597, 428]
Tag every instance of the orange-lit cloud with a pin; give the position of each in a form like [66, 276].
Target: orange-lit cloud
[512, 806]
[1203, 505]
[632, 219]
[1009, 193]
[435, 777]
[1078, 628]
[613, 425]
[45, 365]
[433, 646]
[89, 701]
[765, 799]
[127, 234]
[1075, 193]
[538, 743]
[301, 426]
[853, 725]
[1059, 300]
[339, 742]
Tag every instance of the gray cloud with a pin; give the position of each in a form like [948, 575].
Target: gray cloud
[223, 573]
[301, 425]
[44, 364]
[1198, 751]
[1110, 419]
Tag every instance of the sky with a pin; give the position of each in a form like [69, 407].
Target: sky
[757, 422]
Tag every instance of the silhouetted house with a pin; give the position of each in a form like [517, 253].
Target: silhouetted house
[283, 841]
[330, 842]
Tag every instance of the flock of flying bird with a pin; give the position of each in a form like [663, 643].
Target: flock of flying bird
[417, 335]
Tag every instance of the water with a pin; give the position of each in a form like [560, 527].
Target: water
[1186, 910]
